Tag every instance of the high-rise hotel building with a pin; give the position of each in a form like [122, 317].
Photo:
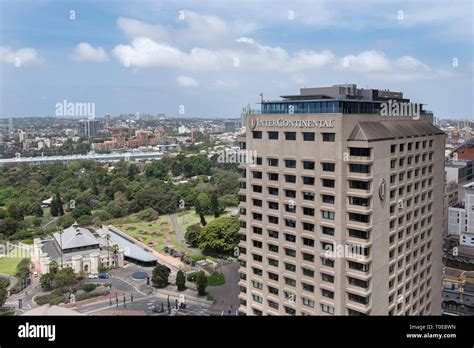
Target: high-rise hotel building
[342, 207]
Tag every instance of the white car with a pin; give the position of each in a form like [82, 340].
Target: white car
[92, 276]
[35, 274]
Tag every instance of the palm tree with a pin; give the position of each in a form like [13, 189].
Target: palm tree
[61, 242]
[107, 238]
[115, 250]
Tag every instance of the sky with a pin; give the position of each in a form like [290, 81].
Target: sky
[203, 58]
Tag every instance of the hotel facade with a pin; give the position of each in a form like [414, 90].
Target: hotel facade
[342, 208]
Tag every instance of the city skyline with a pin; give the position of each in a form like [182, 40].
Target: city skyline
[177, 59]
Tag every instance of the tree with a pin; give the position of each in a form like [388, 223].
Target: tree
[3, 294]
[65, 277]
[220, 236]
[160, 276]
[180, 280]
[192, 235]
[107, 238]
[201, 283]
[46, 281]
[57, 206]
[202, 206]
[81, 210]
[215, 208]
[115, 250]
[53, 267]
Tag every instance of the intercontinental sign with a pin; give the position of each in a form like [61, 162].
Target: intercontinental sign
[289, 123]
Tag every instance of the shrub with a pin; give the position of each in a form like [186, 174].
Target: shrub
[88, 287]
[216, 279]
[192, 234]
[180, 281]
[192, 277]
[201, 283]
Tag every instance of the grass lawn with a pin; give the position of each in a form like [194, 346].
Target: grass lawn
[159, 232]
[8, 264]
[189, 217]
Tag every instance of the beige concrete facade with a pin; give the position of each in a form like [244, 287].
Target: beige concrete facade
[286, 268]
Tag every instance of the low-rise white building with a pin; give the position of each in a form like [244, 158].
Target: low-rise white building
[78, 248]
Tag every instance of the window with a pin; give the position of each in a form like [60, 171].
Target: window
[328, 167]
[308, 211]
[290, 178]
[358, 266]
[358, 234]
[257, 134]
[272, 233]
[327, 309]
[273, 176]
[290, 193]
[328, 182]
[357, 298]
[290, 238]
[309, 165]
[359, 217]
[328, 214]
[330, 137]
[273, 135]
[327, 293]
[358, 282]
[328, 230]
[308, 226]
[272, 162]
[309, 196]
[273, 191]
[308, 302]
[360, 185]
[308, 180]
[308, 257]
[290, 163]
[359, 168]
[365, 202]
[307, 272]
[256, 175]
[308, 242]
[308, 136]
[328, 199]
[290, 135]
[327, 278]
[359, 151]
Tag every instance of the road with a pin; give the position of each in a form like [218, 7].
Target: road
[227, 295]
[180, 235]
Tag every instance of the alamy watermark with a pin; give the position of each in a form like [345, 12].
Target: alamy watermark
[395, 108]
[66, 108]
[237, 156]
[344, 251]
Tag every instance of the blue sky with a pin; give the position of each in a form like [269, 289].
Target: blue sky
[214, 57]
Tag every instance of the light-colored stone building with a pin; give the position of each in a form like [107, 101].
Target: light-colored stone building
[78, 248]
[342, 210]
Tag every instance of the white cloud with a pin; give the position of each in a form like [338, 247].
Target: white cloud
[136, 28]
[186, 81]
[367, 61]
[22, 56]
[84, 52]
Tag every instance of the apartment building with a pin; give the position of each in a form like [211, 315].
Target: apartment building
[342, 209]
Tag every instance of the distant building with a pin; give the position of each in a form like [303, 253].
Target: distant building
[107, 120]
[458, 292]
[465, 151]
[231, 126]
[88, 128]
[461, 219]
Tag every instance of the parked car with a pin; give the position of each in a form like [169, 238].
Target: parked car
[103, 276]
[35, 274]
[92, 276]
